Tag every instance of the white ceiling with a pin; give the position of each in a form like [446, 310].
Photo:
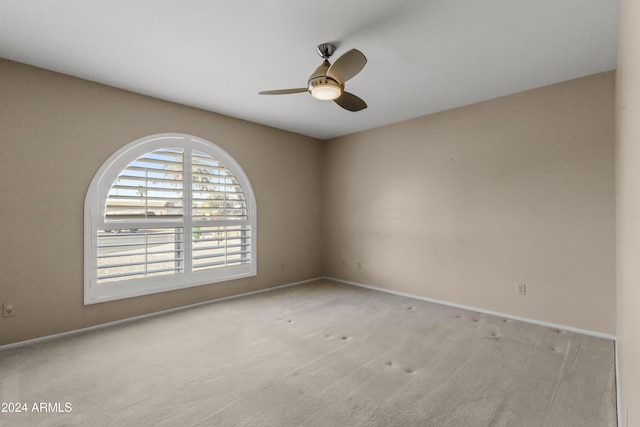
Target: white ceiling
[423, 56]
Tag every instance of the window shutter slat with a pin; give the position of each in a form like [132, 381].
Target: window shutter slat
[150, 185]
[139, 253]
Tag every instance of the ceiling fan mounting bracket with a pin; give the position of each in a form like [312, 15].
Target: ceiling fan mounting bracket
[325, 50]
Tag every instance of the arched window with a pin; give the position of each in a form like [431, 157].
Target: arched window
[166, 212]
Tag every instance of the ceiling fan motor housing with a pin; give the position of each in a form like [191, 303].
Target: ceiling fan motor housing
[323, 87]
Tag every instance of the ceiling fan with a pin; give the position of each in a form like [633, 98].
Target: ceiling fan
[327, 81]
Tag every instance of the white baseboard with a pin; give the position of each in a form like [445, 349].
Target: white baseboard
[621, 421]
[479, 310]
[361, 285]
[146, 316]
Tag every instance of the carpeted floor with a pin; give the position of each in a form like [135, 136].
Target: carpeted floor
[319, 354]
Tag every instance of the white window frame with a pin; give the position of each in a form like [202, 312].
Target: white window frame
[94, 216]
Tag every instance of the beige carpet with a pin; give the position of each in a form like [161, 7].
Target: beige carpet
[319, 354]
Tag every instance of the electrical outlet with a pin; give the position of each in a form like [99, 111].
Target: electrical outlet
[8, 309]
[522, 289]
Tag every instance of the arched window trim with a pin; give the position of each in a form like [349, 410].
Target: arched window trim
[94, 214]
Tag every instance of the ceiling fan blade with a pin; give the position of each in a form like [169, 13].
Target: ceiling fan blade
[283, 91]
[347, 66]
[350, 102]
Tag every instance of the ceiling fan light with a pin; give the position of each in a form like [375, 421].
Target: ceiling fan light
[326, 92]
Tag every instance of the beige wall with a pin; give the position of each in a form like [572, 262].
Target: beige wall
[628, 211]
[459, 206]
[464, 205]
[56, 131]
